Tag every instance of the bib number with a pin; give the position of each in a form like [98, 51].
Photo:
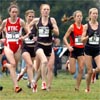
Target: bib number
[94, 40]
[28, 41]
[78, 40]
[43, 32]
[12, 37]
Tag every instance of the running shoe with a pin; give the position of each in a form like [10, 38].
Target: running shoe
[76, 89]
[34, 87]
[1, 88]
[19, 77]
[18, 89]
[87, 90]
[44, 87]
[4, 69]
[48, 88]
[29, 85]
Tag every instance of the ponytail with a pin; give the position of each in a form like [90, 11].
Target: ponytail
[65, 18]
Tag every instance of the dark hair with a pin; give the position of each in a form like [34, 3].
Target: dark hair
[13, 5]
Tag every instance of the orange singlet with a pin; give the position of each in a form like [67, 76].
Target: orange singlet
[75, 37]
[13, 32]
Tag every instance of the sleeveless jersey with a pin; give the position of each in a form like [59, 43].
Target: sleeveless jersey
[44, 32]
[13, 32]
[94, 36]
[28, 40]
[75, 37]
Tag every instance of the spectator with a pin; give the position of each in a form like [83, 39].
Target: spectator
[57, 63]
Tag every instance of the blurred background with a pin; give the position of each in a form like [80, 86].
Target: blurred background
[58, 9]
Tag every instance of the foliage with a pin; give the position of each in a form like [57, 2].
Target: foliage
[58, 8]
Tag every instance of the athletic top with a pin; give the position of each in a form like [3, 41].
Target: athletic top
[13, 32]
[29, 40]
[94, 36]
[44, 32]
[75, 37]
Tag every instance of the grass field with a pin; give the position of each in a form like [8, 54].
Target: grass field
[62, 89]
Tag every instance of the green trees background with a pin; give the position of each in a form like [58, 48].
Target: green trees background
[58, 9]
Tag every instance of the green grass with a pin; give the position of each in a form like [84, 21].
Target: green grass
[62, 89]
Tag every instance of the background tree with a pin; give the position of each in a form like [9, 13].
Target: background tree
[58, 9]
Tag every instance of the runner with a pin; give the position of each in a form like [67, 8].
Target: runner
[28, 52]
[91, 39]
[46, 26]
[76, 47]
[12, 46]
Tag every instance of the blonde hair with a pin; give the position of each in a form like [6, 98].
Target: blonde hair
[75, 13]
[90, 11]
[29, 11]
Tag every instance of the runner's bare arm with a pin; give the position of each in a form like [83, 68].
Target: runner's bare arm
[25, 28]
[2, 26]
[55, 27]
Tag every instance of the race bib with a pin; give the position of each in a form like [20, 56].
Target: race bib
[78, 40]
[43, 31]
[94, 40]
[28, 41]
[12, 37]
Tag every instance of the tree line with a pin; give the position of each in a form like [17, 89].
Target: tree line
[58, 9]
